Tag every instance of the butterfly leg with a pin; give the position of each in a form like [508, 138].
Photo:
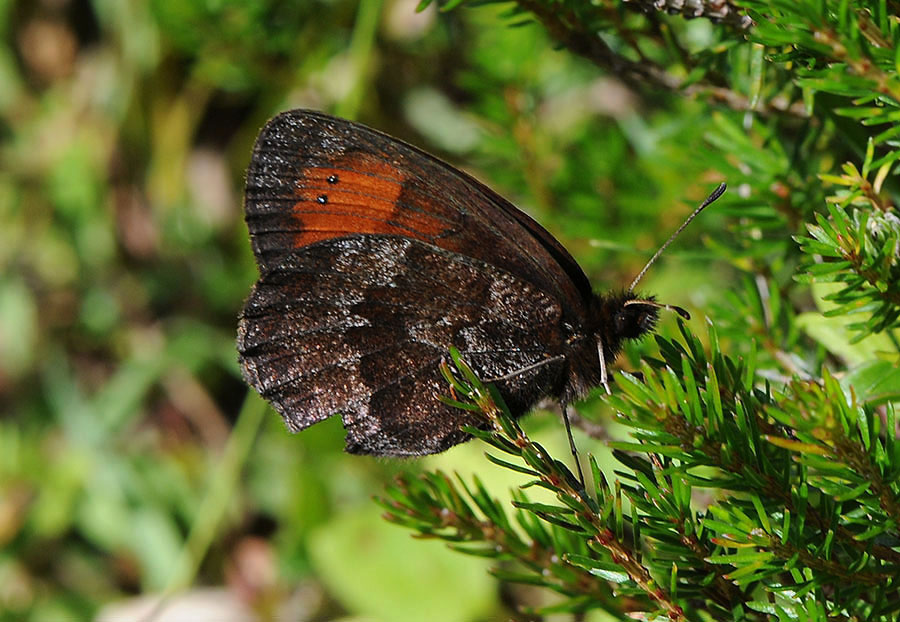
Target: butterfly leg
[604, 376]
[574, 450]
[563, 405]
[552, 359]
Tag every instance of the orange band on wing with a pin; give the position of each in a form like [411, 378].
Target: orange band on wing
[358, 194]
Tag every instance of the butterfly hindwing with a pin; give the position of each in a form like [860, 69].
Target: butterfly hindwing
[358, 325]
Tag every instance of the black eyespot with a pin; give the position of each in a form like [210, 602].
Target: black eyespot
[322, 198]
[332, 179]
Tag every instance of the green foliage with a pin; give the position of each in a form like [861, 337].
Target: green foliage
[761, 477]
[859, 248]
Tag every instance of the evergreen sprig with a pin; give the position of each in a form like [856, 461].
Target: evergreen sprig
[605, 551]
[801, 486]
[805, 485]
[858, 246]
[762, 479]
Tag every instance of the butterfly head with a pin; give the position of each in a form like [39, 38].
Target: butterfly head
[636, 317]
[621, 316]
[618, 317]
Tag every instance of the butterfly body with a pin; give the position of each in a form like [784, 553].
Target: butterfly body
[375, 258]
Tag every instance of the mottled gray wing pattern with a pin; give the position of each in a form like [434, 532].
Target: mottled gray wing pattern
[358, 325]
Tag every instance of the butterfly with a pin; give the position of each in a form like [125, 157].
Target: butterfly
[375, 258]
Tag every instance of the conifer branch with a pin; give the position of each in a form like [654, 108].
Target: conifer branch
[710, 416]
[553, 475]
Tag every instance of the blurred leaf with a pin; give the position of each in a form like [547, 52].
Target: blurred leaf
[350, 553]
[832, 332]
[874, 381]
[18, 328]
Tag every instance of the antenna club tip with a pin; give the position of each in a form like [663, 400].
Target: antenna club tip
[719, 191]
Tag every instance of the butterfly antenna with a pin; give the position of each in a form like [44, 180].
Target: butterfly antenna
[712, 197]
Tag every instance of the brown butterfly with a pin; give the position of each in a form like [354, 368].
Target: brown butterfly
[375, 258]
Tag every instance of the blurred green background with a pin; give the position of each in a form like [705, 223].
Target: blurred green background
[133, 462]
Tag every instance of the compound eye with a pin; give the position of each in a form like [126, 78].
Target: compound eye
[621, 322]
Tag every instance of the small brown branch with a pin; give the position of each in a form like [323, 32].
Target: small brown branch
[720, 11]
[567, 28]
[786, 552]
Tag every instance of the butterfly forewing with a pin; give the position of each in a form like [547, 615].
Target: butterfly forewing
[314, 177]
